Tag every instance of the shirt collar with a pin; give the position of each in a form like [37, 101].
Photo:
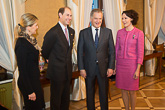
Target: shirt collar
[62, 26]
[93, 28]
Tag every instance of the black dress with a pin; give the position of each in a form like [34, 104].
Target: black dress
[29, 74]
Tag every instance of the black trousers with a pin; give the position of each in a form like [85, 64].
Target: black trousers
[60, 95]
[103, 90]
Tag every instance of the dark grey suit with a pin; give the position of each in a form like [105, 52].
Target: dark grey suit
[88, 56]
[57, 50]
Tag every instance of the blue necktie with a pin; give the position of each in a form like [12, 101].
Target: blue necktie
[96, 38]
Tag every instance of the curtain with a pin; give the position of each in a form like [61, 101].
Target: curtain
[163, 23]
[18, 7]
[10, 12]
[80, 19]
[112, 14]
[153, 18]
[161, 34]
[7, 58]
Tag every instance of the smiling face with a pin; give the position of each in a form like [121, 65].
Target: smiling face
[96, 19]
[126, 20]
[66, 17]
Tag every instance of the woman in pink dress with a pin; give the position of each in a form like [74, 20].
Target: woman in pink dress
[129, 57]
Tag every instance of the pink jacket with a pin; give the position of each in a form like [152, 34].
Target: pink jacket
[130, 44]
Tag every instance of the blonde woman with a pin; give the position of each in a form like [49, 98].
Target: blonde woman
[27, 53]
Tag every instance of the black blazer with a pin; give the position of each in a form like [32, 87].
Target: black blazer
[57, 50]
[88, 54]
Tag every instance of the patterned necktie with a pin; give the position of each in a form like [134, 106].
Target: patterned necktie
[96, 38]
[66, 34]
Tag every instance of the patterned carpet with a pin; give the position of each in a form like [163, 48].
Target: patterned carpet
[151, 96]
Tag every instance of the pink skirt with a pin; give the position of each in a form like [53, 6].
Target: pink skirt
[125, 69]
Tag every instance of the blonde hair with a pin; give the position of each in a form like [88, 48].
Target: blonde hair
[26, 20]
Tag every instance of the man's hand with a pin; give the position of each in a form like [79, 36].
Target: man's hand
[114, 72]
[83, 73]
[109, 72]
[47, 60]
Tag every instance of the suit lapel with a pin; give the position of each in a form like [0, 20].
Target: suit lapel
[70, 35]
[91, 35]
[100, 36]
[62, 35]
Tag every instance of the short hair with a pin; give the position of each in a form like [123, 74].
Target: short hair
[133, 15]
[95, 10]
[62, 10]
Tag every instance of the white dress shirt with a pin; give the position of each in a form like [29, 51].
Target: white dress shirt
[94, 32]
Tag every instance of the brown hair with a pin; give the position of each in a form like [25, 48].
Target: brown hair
[62, 10]
[133, 15]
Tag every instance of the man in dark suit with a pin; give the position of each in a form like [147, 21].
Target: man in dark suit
[96, 59]
[57, 48]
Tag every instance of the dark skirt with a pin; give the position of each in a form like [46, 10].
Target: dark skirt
[39, 103]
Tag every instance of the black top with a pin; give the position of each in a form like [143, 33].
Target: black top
[27, 61]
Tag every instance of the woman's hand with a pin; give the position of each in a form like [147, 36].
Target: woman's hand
[136, 75]
[32, 96]
[137, 72]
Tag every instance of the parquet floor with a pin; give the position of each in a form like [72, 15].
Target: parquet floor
[151, 96]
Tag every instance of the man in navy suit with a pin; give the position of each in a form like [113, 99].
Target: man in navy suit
[57, 48]
[96, 59]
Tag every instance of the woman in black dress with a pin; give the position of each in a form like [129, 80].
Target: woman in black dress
[27, 53]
